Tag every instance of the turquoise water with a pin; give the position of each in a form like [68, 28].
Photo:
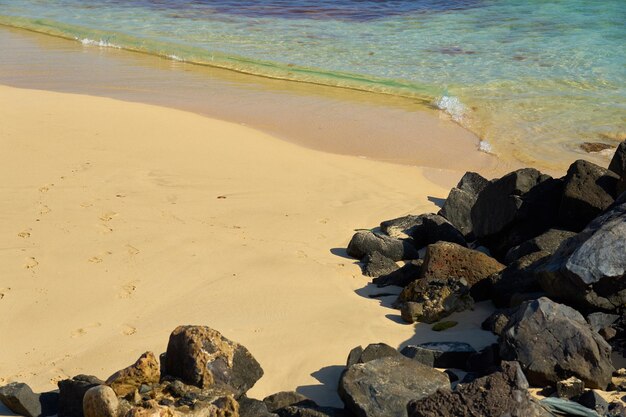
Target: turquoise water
[531, 78]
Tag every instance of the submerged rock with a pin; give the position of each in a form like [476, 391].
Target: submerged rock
[202, 357]
[553, 341]
[365, 242]
[383, 387]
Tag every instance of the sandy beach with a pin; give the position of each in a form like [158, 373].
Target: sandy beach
[121, 221]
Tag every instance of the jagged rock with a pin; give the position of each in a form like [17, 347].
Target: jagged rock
[553, 341]
[402, 276]
[519, 277]
[429, 301]
[401, 227]
[382, 387]
[594, 401]
[249, 407]
[284, 399]
[444, 260]
[19, 398]
[457, 208]
[440, 354]
[547, 242]
[497, 321]
[376, 265]
[365, 242]
[71, 393]
[423, 229]
[498, 203]
[599, 321]
[570, 387]
[145, 370]
[618, 166]
[100, 401]
[589, 190]
[201, 356]
[502, 393]
[354, 356]
[589, 269]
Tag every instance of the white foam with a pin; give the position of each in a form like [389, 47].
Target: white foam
[101, 43]
[453, 106]
[484, 146]
[175, 58]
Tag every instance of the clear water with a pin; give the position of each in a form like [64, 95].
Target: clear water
[531, 78]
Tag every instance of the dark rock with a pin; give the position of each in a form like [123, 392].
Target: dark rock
[365, 242]
[451, 376]
[457, 208]
[594, 401]
[570, 388]
[497, 321]
[484, 361]
[432, 300]
[518, 278]
[589, 269]
[402, 276]
[382, 387]
[444, 260]
[71, 393]
[440, 354]
[618, 166]
[607, 333]
[589, 190]
[376, 265]
[423, 230]
[19, 398]
[310, 411]
[440, 326]
[599, 321]
[249, 407]
[401, 227]
[284, 399]
[592, 147]
[552, 342]
[202, 357]
[354, 356]
[547, 242]
[502, 393]
[498, 203]
[377, 351]
[616, 409]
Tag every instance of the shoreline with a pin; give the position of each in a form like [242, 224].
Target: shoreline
[104, 221]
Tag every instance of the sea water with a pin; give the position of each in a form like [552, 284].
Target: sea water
[531, 78]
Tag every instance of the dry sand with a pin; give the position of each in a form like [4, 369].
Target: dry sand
[120, 221]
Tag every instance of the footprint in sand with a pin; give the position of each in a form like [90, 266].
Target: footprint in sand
[132, 250]
[128, 330]
[104, 228]
[127, 290]
[43, 209]
[95, 259]
[3, 292]
[108, 216]
[25, 234]
[31, 263]
[83, 330]
[45, 188]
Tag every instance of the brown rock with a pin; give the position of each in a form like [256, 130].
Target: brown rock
[144, 371]
[590, 147]
[100, 401]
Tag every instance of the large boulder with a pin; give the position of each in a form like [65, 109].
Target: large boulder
[553, 342]
[590, 268]
[383, 387]
[293, 404]
[548, 242]
[71, 393]
[401, 277]
[100, 401]
[520, 277]
[19, 398]
[423, 229]
[618, 166]
[202, 357]
[145, 370]
[445, 259]
[371, 352]
[440, 354]
[376, 265]
[430, 300]
[589, 190]
[457, 208]
[249, 407]
[365, 242]
[502, 393]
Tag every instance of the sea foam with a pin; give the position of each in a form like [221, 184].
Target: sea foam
[453, 106]
[102, 43]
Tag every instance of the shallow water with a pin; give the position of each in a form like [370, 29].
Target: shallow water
[531, 78]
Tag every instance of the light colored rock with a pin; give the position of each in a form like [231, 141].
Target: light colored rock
[100, 401]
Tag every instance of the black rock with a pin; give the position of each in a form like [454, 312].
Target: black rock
[458, 206]
[71, 393]
[547, 242]
[284, 399]
[402, 227]
[599, 321]
[618, 166]
[616, 409]
[249, 407]
[472, 183]
[423, 229]
[365, 242]
[553, 342]
[376, 265]
[589, 269]
[354, 356]
[497, 321]
[382, 387]
[589, 190]
[502, 393]
[377, 351]
[520, 277]
[402, 276]
[440, 354]
[591, 399]
[485, 361]
[310, 411]
[19, 398]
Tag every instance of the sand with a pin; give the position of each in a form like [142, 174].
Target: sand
[121, 221]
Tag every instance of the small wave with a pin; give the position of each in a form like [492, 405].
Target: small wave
[453, 106]
[102, 43]
[484, 146]
[175, 58]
